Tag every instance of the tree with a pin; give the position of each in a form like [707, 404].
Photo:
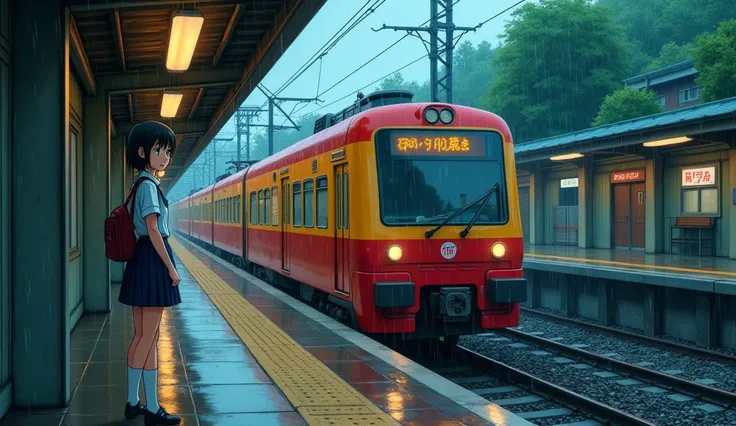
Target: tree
[715, 58]
[473, 72]
[559, 59]
[671, 54]
[653, 23]
[397, 82]
[625, 104]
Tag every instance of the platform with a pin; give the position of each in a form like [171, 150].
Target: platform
[239, 352]
[709, 274]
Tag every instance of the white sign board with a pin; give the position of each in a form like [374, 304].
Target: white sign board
[701, 176]
[569, 183]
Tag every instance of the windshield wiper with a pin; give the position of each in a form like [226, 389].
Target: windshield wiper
[486, 197]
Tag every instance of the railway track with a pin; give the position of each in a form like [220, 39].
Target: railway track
[532, 398]
[700, 391]
[689, 350]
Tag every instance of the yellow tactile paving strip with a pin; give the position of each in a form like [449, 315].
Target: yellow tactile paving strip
[320, 395]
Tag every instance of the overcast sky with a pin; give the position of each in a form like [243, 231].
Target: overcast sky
[359, 46]
[362, 43]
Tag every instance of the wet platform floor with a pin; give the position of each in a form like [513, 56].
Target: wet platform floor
[208, 376]
[685, 265]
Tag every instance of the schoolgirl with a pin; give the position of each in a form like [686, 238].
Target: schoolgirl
[150, 282]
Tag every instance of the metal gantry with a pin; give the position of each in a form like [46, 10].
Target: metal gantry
[440, 48]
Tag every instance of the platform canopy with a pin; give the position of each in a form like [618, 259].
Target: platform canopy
[121, 48]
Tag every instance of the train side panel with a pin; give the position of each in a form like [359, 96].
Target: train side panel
[228, 221]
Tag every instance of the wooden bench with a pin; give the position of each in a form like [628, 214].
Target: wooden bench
[699, 223]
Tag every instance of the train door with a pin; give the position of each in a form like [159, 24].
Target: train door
[342, 229]
[285, 222]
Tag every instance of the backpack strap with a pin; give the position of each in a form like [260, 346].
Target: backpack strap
[131, 194]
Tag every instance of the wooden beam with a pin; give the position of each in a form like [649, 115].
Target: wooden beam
[130, 107]
[79, 58]
[86, 6]
[196, 102]
[228, 32]
[117, 33]
[131, 82]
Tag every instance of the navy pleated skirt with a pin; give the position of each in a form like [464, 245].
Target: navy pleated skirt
[146, 280]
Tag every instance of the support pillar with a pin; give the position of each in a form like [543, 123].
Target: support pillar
[39, 218]
[585, 203]
[606, 302]
[731, 209]
[117, 191]
[705, 319]
[96, 201]
[654, 205]
[652, 311]
[536, 206]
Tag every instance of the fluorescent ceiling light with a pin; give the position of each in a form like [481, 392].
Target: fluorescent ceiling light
[665, 142]
[170, 103]
[565, 157]
[185, 28]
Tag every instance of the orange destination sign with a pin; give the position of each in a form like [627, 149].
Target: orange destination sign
[630, 176]
[430, 144]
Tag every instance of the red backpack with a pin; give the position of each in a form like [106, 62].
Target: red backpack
[119, 232]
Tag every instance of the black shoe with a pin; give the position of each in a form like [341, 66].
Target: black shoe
[161, 418]
[133, 411]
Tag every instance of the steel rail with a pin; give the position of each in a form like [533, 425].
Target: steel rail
[697, 390]
[684, 349]
[602, 412]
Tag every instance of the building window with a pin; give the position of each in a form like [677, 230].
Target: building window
[73, 185]
[297, 204]
[322, 202]
[253, 208]
[267, 207]
[309, 203]
[568, 193]
[662, 101]
[689, 95]
[699, 189]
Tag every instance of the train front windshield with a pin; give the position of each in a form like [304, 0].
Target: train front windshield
[426, 175]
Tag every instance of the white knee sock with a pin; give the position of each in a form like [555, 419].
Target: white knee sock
[134, 381]
[150, 379]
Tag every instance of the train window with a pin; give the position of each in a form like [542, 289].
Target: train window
[308, 203]
[322, 202]
[267, 207]
[237, 209]
[345, 201]
[287, 204]
[253, 208]
[230, 210]
[275, 206]
[297, 204]
[338, 212]
[261, 207]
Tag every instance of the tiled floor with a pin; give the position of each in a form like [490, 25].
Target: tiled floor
[208, 377]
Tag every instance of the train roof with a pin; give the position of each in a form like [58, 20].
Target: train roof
[201, 193]
[361, 126]
[232, 179]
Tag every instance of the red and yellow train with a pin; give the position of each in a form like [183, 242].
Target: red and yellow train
[398, 217]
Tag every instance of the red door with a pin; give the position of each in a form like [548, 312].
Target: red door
[342, 229]
[285, 222]
[638, 203]
[621, 214]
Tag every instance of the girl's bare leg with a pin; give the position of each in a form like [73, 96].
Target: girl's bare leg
[134, 371]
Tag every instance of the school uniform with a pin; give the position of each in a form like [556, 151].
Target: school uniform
[146, 280]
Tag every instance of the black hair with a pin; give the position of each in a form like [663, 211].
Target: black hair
[145, 135]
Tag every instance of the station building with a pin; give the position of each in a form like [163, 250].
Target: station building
[75, 75]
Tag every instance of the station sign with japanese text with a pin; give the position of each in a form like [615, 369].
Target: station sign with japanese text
[432, 144]
[629, 176]
[700, 176]
[569, 183]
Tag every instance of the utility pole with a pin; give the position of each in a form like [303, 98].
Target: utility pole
[272, 102]
[243, 118]
[214, 153]
[439, 9]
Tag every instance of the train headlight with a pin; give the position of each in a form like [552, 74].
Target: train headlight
[394, 252]
[431, 115]
[498, 250]
[446, 116]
